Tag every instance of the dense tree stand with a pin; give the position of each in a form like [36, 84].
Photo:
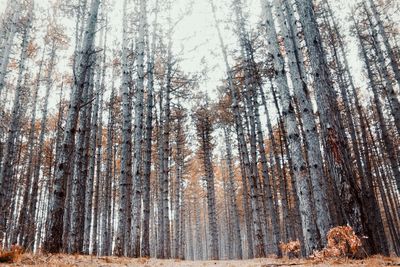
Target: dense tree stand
[161, 131]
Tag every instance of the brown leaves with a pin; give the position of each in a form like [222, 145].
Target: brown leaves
[11, 256]
[40, 259]
[290, 249]
[342, 242]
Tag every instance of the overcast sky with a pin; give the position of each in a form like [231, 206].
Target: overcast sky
[195, 35]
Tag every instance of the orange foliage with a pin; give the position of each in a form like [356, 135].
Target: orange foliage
[290, 249]
[342, 242]
[11, 256]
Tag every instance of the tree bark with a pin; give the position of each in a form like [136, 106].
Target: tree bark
[53, 240]
[125, 180]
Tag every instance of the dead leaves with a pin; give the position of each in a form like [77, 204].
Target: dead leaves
[11, 256]
[290, 249]
[341, 242]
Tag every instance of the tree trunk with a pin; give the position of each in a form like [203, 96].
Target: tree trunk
[53, 240]
[8, 43]
[6, 176]
[125, 180]
[23, 226]
[238, 253]
[138, 132]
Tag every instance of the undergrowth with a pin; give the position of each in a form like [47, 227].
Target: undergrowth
[11, 256]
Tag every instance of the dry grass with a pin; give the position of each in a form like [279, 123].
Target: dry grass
[85, 260]
[343, 245]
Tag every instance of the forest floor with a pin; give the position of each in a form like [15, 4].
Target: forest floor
[80, 260]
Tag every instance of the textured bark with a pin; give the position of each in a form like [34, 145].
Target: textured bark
[147, 157]
[59, 138]
[249, 115]
[53, 240]
[76, 184]
[294, 211]
[270, 202]
[238, 250]
[160, 210]
[6, 176]
[75, 187]
[343, 70]
[328, 117]
[178, 185]
[23, 226]
[8, 43]
[108, 178]
[389, 49]
[373, 219]
[246, 172]
[300, 171]
[125, 180]
[389, 145]
[97, 201]
[367, 206]
[301, 92]
[388, 88]
[249, 159]
[204, 130]
[138, 133]
[95, 141]
[372, 153]
[165, 149]
[226, 239]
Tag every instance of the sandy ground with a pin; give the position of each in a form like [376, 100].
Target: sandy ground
[79, 260]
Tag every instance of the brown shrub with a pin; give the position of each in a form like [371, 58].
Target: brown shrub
[341, 242]
[290, 249]
[11, 256]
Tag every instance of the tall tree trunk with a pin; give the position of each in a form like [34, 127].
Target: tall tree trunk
[6, 176]
[368, 205]
[179, 169]
[138, 132]
[165, 146]
[53, 240]
[388, 88]
[125, 180]
[389, 49]
[145, 245]
[238, 253]
[389, 145]
[23, 226]
[8, 43]
[323, 97]
[76, 184]
[97, 200]
[108, 183]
